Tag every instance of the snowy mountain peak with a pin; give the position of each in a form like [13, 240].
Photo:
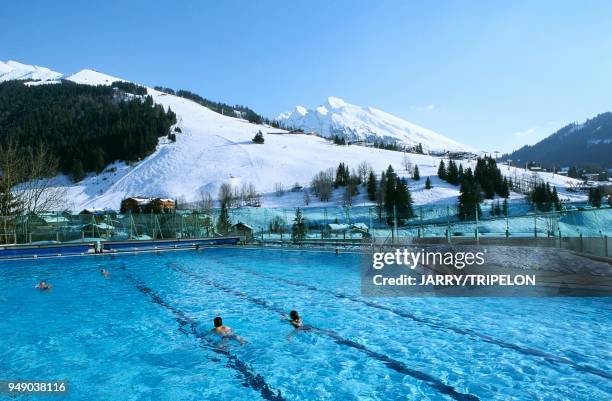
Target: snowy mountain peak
[356, 123]
[299, 110]
[92, 77]
[13, 70]
[336, 102]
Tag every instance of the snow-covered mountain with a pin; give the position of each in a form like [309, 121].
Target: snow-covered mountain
[586, 144]
[13, 70]
[213, 149]
[337, 117]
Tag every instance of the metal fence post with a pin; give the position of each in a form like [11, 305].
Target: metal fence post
[448, 228]
[476, 223]
[395, 224]
[421, 232]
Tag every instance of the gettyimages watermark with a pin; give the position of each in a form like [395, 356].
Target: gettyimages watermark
[476, 270]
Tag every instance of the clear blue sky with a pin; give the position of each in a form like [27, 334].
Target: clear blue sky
[491, 74]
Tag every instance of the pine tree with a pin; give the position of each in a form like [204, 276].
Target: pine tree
[505, 188]
[428, 183]
[380, 195]
[416, 175]
[442, 170]
[573, 172]
[555, 199]
[390, 193]
[469, 199]
[371, 186]
[595, 195]
[452, 173]
[497, 208]
[258, 138]
[403, 201]
[223, 222]
[298, 230]
[490, 178]
[342, 175]
[543, 198]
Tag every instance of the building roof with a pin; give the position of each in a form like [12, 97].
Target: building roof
[241, 224]
[99, 226]
[54, 219]
[92, 210]
[343, 227]
[361, 226]
[337, 227]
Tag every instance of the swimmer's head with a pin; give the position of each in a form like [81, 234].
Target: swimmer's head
[218, 321]
[294, 315]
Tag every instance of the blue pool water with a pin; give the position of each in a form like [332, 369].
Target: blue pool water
[141, 334]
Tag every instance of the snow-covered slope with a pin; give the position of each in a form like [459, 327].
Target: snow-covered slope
[14, 70]
[337, 117]
[213, 149]
[92, 77]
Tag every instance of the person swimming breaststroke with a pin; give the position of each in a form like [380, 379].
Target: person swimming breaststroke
[43, 286]
[104, 272]
[225, 331]
[295, 320]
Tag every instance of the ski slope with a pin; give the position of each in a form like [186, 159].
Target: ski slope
[214, 149]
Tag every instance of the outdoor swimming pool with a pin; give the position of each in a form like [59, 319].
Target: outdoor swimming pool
[142, 333]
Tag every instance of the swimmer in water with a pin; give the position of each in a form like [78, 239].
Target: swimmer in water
[43, 286]
[104, 272]
[225, 331]
[295, 320]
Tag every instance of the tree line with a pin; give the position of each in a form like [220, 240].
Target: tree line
[222, 108]
[85, 127]
[484, 182]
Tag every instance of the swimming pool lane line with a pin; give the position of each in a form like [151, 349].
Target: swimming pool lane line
[389, 362]
[551, 358]
[189, 326]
